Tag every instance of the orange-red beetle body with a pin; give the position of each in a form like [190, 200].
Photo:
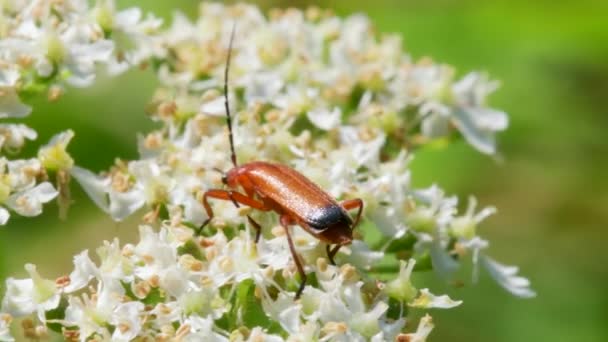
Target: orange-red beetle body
[279, 188]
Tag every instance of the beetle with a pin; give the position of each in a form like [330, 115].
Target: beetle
[276, 187]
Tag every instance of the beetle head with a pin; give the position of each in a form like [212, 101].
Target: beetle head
[339, 233]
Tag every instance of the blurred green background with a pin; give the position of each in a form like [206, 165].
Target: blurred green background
[551, 188]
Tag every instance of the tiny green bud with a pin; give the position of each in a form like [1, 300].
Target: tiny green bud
[464, 227]
[54, 156]
[401, 288]
[55, 50]
[103, 15]
[5, 188]
[421, 220]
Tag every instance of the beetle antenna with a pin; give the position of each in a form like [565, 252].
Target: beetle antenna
[227, 105]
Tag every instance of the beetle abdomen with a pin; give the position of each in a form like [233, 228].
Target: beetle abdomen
[327, 217]
[289, 191]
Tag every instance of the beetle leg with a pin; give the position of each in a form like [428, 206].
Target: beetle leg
[332, 252]
[352, 204]
[285, 220]
[258, 229]
[228, 195]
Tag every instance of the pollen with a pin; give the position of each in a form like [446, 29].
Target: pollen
[211, 253]
[206, 242]
[322, 264]
[226, 264]
[167, 109]
[62, 281]
[6, 318]
[403, 338]
[70, 335]
[349, 273]
[191, 263]
[141, 289]
[182, 332]
[124, 327]
[153, 141]
[147, 258]
[334, 328]
[278, 231]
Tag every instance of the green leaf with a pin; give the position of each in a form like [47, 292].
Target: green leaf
[57, 313]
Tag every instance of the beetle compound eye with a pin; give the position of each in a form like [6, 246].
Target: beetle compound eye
[224, 179]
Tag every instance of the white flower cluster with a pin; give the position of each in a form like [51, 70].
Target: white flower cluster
[322, 94]
[46, 44]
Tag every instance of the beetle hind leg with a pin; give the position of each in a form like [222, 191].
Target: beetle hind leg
[285, 221]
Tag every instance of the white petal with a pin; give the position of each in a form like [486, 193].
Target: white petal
[123, 204]
[127, 18]
[94, 186]
[492, 120]
[428, 300]
[9, 76]
[424, 329]
[443, 264]
[84, 271]
[482, 140]
[17, 299]
[506, 276]
[11, 106]
[362, 256]
[128, 316]
[324, 119]
[214, 107]
[435, 126]
[4, 216]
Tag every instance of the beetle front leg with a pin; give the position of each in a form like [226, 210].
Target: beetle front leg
[332, 252]
[285, 222]
[227, 195]
[352, 204]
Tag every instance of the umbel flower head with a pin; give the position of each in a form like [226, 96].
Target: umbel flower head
[323, 94]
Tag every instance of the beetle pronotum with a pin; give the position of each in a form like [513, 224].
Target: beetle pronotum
[279, 188]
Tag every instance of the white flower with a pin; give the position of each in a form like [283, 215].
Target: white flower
[506, 276]
[388, 195]
[33, 295]
[29, 202]
[401, 288]
[90, 315]
[133, 37]
[13, 136]
[422, 332]
[477, 123]
[84, 271]
[360, 255]
[202, 329]
[464, 226]
[127, 318]
[22, 173]
[262, 87]
[119, 204]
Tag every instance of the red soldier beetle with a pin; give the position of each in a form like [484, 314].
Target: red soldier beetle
[279, 188]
